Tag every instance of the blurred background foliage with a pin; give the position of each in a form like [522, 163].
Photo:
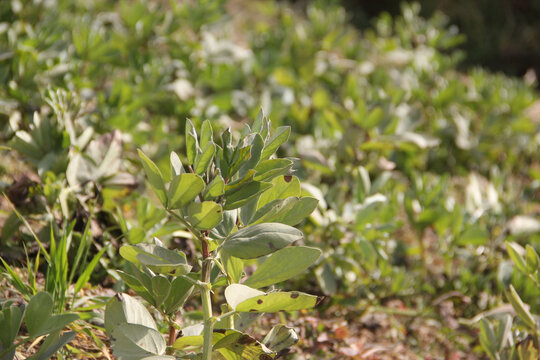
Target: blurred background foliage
[423, 163]
[501, 35]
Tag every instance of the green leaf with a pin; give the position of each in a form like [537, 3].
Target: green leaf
[205, 215]
[17, 282]
[288, 211]
[192, 146]
[247, 211]
[278, 137]
[475, 235]
[226, 142]
[154, 177]
[234, 266]
[227, 343]
[269, 169]
[10, 322]
[504, 329]
[520, 309]
[190, 336]
[156, 258]
[515, 251]
[207, 134]
[257, 146]
[215, 188]
[237, 184]
[282, 188]
[137, 286]
[240, 157]
[123, 309]
[280, 337]
[302, 209]
[179, 292]
[282, 265]
[374, 118]
[176, 165]
[160, 289]
[52, 344]
[245, 194]
[245, 320]
[533, 261]
[204, 159]
[39, 317]
[245, 299]
[258, 123]
[326, 279]
[183, 189]
[487, 338]
[143, 275]
[138, 342]
[261, 239]
[243, 345]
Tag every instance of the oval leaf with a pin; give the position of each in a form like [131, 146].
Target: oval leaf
[215, 188]
[179, 292]
[160, 289]
[521, 309]
[245, 194]
[39, 318]
[156, 258]
[176, 164]
[515, 251]
[259, 240]
[278, 137]
[282, 265]
[245, 299]
[280, 337]
[123, 309]
[192, 145]
[282, 187]
[243, 345]
[205, 215]
[269, 169]
[134, 341]
[183, 189]
[154, 177]
[203, 160]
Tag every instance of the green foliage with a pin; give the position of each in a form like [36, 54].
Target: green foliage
[407, 174]
[39, 320]
[165, 279]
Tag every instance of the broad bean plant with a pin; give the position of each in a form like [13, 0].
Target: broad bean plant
[239, 203]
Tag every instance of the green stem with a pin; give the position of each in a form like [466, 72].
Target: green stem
[226, 315]
[207, 311]
[204, 286]
[191, 229]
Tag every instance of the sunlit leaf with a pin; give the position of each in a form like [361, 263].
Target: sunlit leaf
[245, 299]
[205, 215]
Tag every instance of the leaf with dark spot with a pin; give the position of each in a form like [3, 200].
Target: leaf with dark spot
[245, 299]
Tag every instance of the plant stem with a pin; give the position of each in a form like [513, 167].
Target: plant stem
[207, 310]
[205, 287]
[191, 229]
[172, 330]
